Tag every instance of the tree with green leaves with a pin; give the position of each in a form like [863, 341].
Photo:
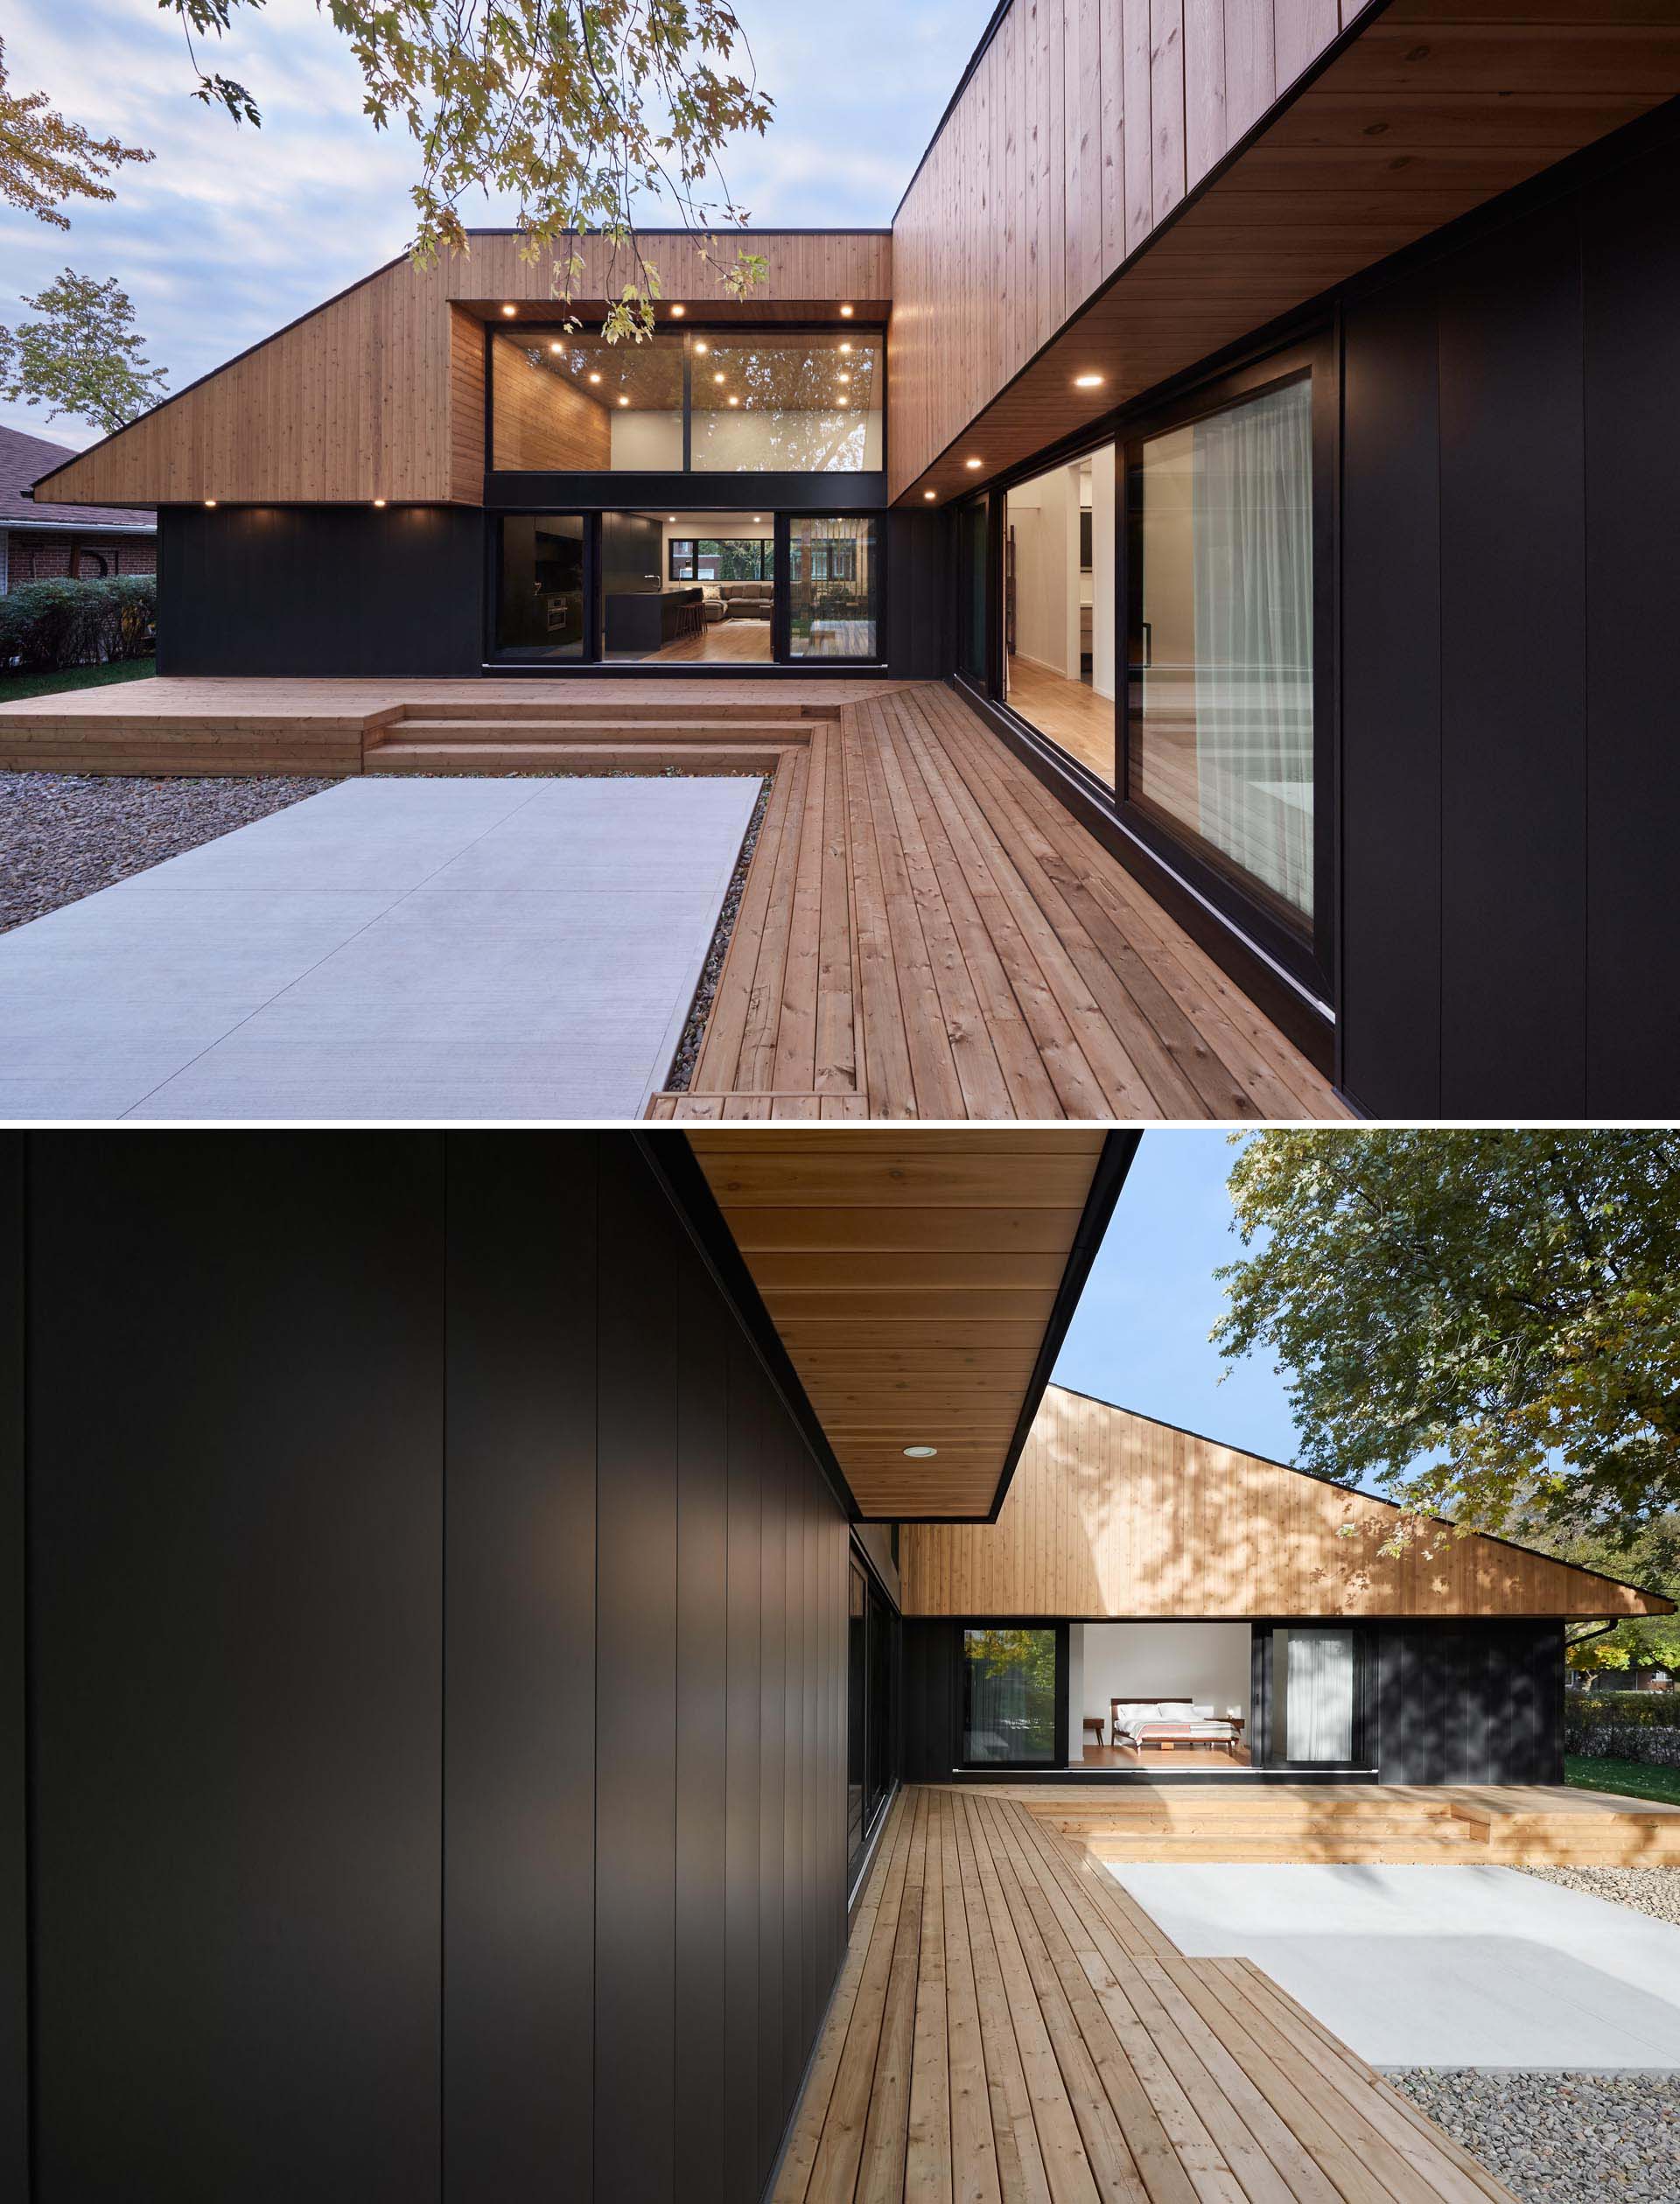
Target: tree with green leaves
[579, 110]
[1650, 1558]
[1483, 1325]
[82, 357]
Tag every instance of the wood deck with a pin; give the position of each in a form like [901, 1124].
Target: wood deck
[1009, 2025]
[926, 932]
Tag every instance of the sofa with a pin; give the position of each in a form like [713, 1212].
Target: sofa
[747, 600]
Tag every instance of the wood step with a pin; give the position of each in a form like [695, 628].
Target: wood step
[571, 756]
[559, 708]
[605, 725]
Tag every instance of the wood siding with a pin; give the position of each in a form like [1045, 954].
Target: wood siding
[379, 393]
[1433, 108]
[1111, 1513]
[544, 423]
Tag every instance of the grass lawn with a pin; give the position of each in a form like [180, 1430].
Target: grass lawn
[1633, 1779]
[13, 685]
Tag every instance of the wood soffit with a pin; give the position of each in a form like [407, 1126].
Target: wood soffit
[912, 1278]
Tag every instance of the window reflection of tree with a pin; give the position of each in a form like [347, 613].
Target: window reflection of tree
[793, 391]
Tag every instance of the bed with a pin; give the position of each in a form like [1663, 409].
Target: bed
[1167, 1723]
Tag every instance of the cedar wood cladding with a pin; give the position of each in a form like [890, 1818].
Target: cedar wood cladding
[1113, 1514]
[380, 392]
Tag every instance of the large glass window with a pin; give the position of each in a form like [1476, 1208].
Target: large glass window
[540, 608]
[1059, 599]
[1008, 1697]
[833, 587]
[1221, 735]
[870, 1751]
[722, 558]
[807, 405]
[565, 401]
[1314, 1697]
[972, 533]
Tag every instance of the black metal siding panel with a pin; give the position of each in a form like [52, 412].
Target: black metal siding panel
[14, 1789]
[701, 1684]
[772, 1759]
[320, 590]
[1513, 673]
[918, 585]
[635, 1693]
[748, 1400]
[236, 1604]
[1631, 234]
[519, 1678]
[926, 1658]
[1470, 1701]
[1391, 706]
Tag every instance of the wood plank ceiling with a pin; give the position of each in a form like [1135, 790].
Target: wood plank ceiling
[912, 1278]
[1432, 108]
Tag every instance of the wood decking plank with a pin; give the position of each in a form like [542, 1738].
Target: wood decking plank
[886, 2132]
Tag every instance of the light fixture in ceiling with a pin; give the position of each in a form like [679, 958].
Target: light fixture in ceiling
[919, 1453]
[557, 345]
[677, 312]
[845, 347]
[623, 401]
[379, 502]
[733, 400]
[510, 309]
[594, 377]
[208, 502]
[700, 346]
[845, 313]
[930, 495]
[1088, 382]
[971, 465]
[718, 376]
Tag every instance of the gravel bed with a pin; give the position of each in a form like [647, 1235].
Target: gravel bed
[1654, 1891]
[1560, 2138]
[63, 834]
[688, 1050]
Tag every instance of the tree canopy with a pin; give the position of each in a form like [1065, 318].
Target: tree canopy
[45, 159]
[1482, 1324]
[82, 356]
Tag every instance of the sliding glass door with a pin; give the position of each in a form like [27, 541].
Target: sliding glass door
[833, 588]
[541, 598]
[1012, 1698]
[870, 1693]
[1311, 1688]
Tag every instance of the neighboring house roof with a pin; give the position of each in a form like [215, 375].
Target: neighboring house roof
[24, 459]
[1114, 1514]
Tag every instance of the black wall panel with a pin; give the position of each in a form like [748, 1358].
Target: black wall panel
[1510, 467]
[918, 589]
[928, 1656]
[320, 590]
[520, 1658]
[1470, 1701]
[236, 1625]
[436, 1628]
[1631, 301]
[14, 1793]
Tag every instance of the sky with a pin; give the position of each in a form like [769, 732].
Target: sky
[1139, 1335]
[230, 233]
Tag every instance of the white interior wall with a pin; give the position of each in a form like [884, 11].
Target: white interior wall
[1203, 1661]
[1101, 576]
[649, 441]
[1047, 604]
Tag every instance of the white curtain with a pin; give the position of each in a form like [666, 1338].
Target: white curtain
[1318, 1696]
[1252, 493]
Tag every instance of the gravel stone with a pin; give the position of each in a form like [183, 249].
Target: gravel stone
[65, 835]
[1654, 1891]
[1560, 2138]
[687, 1051]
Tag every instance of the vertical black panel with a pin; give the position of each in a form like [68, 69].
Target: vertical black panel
[917, 594]
[236, 1554]
[635, 1693]
[772, 1632]
[927, 1654]
[1513, 678]
[793, 2037]
[1631, 234]
[14, 1789]
[1469, 1700]
[702, 1683]
[747, 1401]
[1391, 706]
[519, 1678]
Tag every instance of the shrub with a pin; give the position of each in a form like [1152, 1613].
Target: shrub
[47, 625]
[1625, 1710]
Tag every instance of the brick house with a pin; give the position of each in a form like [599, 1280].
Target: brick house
[40, 543]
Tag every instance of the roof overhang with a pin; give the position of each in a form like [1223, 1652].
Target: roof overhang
[915, 1287]
[1419, 113]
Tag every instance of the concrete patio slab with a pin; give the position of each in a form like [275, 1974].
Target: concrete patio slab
[1439, 1966]
[423, 949]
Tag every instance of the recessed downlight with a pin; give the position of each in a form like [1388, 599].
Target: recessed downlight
[845, 347]
[208, 502]
[733, 400]
[678, 311]
[593, 376]
[700, 346]
[930, 495]
[510, 309]
[919, 1453]
[556, 347]
[971, 465]
[623, 401]
[1088, 382]
[379, 503]
[845, 313]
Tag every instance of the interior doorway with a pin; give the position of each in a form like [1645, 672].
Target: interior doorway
[1059, 607]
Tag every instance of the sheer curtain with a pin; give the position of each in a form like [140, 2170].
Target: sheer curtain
[1318, 1696]
[1252, 502]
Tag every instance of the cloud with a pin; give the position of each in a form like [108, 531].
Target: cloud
[230, 233]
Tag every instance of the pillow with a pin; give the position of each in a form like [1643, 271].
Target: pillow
[1201, 1713]
[710, 591]
[1132, 1710]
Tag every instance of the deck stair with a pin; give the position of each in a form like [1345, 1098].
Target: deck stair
[539, 735]
[1396, 1825]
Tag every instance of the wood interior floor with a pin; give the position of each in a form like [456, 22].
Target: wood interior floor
[927, 931]
[1009, 2025]
[719, 642]
[1070, 712]
[1174, 1761]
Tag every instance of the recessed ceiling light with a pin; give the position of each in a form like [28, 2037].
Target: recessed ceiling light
[971, 463]
[593, 377]
[1088, 382]
[919, 1453]
[208, 502]
[671, 517]
[510, 309]
[845, 313]
[930, 494]
[379, 502]
[845, 377]
[623, 401]
[733, 400]
[758, 519]
[700, 344]
[556, 347]
[678, 311]
[845, 347]
[719, 377]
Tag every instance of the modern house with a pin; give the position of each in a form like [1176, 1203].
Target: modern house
[58, 543]
[467, 1602]
[1261, 414]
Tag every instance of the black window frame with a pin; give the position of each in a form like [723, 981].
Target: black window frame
[1263, 1686]
[1059, 1628]
[696, 553]
[781, 624]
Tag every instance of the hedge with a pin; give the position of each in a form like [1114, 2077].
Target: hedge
[1625, 1709]
[47, 625]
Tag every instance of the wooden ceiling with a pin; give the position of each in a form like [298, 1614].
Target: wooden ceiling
[1430, 110]
[812, 372]
[913, 1279]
